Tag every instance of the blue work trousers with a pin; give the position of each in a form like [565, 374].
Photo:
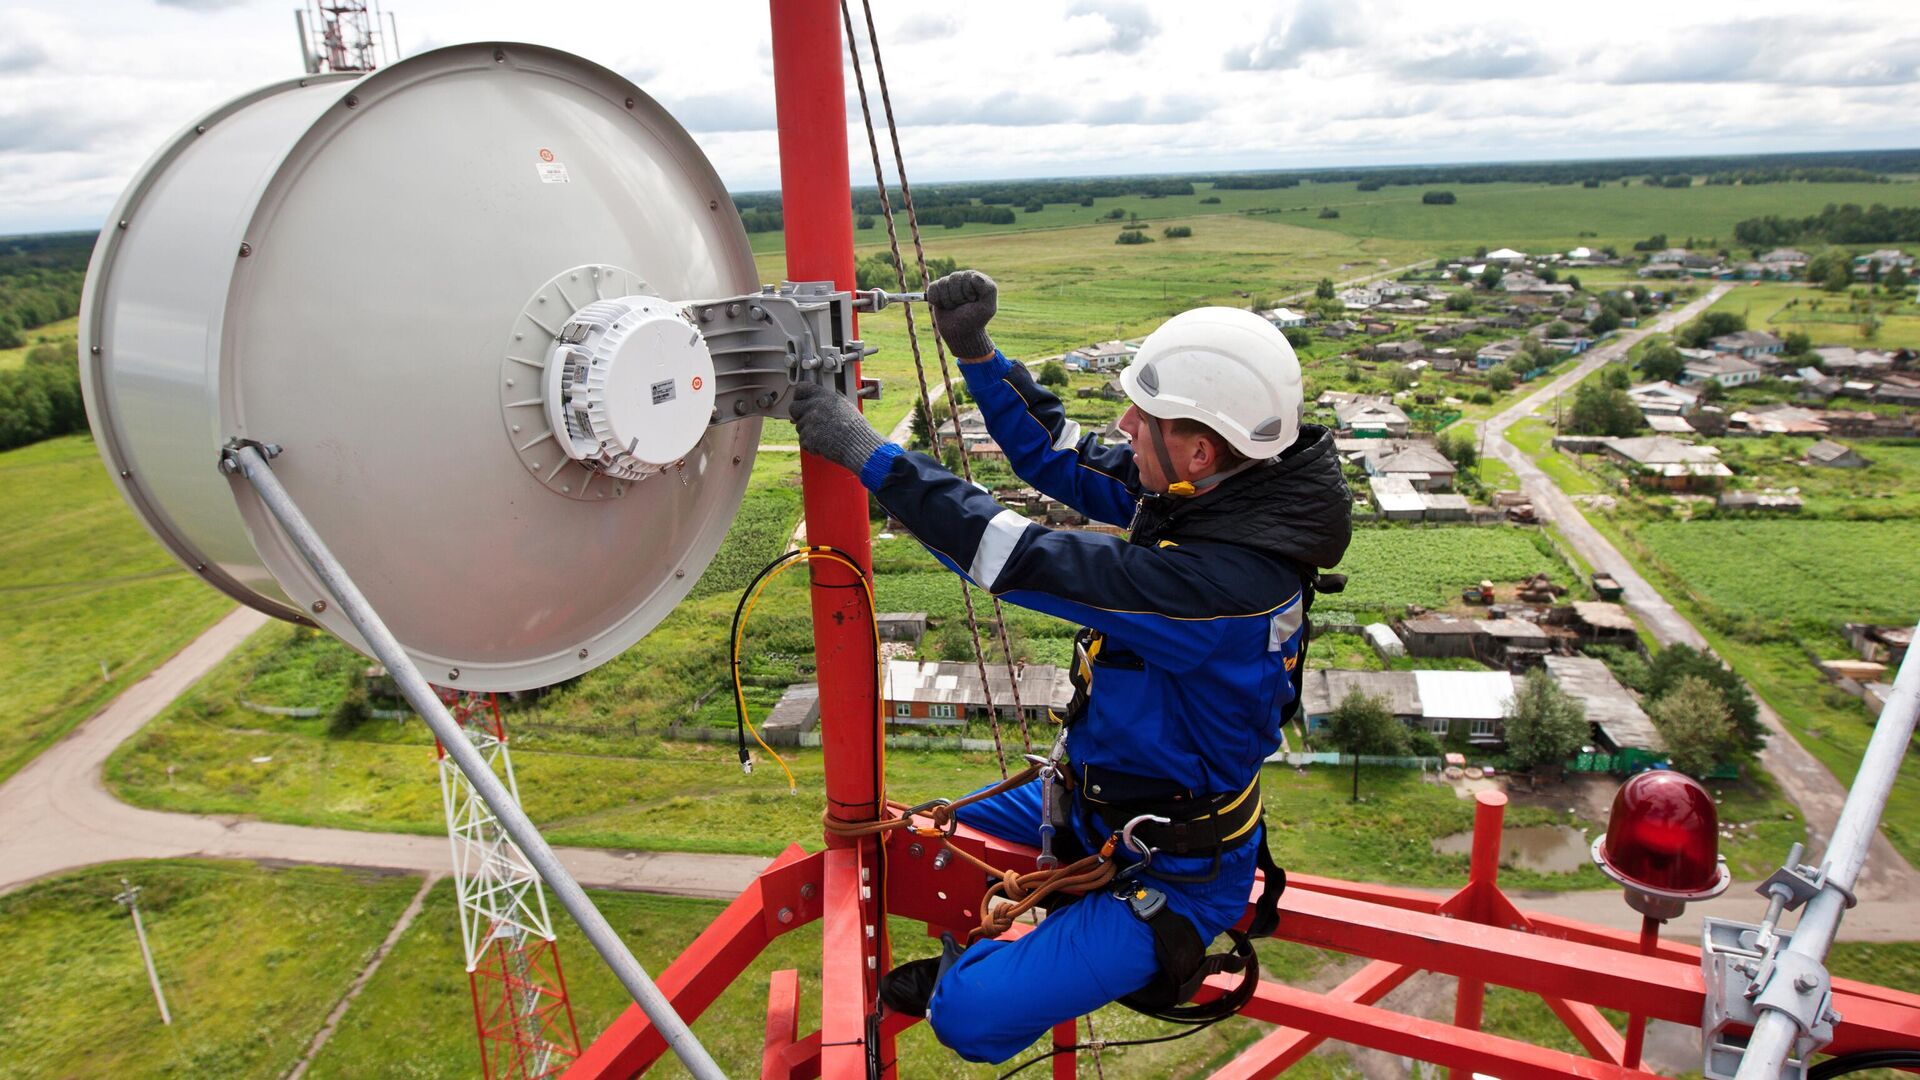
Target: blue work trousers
[1000, 996]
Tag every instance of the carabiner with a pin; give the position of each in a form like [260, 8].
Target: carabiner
[1126, 836]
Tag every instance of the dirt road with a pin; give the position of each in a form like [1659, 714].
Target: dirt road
[1807, 782]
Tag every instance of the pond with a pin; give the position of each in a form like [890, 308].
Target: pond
[1544, 849]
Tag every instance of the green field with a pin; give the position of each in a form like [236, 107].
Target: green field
[251, 959]
[1827, 318]
[1530, 217]
[1063, 288]
[1796, 572]
[1388, 568]
[1888, 487]
[1535, 439]
[91, 602]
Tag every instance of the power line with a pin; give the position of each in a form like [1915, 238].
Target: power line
[130, 896]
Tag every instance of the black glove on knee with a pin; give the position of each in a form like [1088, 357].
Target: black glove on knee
[963, 303]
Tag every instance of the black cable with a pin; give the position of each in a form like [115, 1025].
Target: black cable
[1109, 1044]
[733, 652]
[1864, 1060]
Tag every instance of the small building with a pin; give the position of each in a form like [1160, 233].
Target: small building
[1880, 644]
[1727, 369]
[1105, 356]
[1791, 259]
[1828, 454]
[1865, 266]
[1284, 318]
[1420, 464]
[1499, 352]
[1775, 420]
[1397, 499]
[1385, 643]
[1440, 636]
[1613, 710]
[1322, 691]
[797, 711]
[1371, 417]
[1749, 344]
[1597, 622]
[1664, 462]
[1446, 506]
[947, 694]
[908, 626]
[1506, 256]
[1474, 700]
[1843, 362]
[1357, 299]
[1663, 397]
[1774, 502]
[1393, 350]
[1663, 424]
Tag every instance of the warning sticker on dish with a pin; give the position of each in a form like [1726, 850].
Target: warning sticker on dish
[551, 172]
[663, 391]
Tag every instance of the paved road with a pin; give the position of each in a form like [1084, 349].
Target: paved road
[1814, 789]
[59, 815]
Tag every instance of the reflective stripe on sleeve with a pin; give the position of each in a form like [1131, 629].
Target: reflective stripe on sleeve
[996, 547]
[1069, 436]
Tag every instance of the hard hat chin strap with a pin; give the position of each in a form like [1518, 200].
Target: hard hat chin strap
[1175, 485]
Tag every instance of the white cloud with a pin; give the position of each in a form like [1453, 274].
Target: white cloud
[1047, 87]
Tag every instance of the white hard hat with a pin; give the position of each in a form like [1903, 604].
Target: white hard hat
[1226, 368]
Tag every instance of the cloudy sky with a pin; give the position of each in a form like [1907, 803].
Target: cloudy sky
[1000, 88]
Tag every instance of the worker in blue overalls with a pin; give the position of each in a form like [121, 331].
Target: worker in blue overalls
[1188, 660]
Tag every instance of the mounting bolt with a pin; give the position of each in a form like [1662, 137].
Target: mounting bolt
[124, 474]
[807, 890]
[246, 250]
[583, 654]
[631, 103]
[199, 129]
[123, 223]
[319, 606]
[915, 850]
[679, 573]
[1805, 983]
[96, 350]
[454, 674]
[940, 861]
[713, 204]
[785, 914]
[353, 101]
[499, 56]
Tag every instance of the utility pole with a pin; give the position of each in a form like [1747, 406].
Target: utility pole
[130, 896]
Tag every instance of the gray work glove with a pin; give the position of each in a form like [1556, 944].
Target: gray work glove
[963, 303]
[832, 427]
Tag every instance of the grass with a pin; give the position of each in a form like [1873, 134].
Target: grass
[1388, 568]
[91, 602]
[1535, 439]
[1828, 318]
[1889, 487]
[1795, 572]
[251, 960]
[63, 333]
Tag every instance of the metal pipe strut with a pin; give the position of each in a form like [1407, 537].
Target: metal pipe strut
[1785, 1015]
[250, 461]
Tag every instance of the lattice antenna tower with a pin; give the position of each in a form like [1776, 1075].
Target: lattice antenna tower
[345, 35]
[520, 1004]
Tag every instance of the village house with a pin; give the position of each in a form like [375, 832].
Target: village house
[1393, 350]
[1750, 344]
[1812, 384]
[1499, 352]
[973, 429]
[1284, 318]
[1664, 462]
[1727, 369]
[1339, 329]
[1775, 420]
[1420, 464]
[1839, 360]
[1525, 288]
[1791, 259]
[1880, 261]
[1437, 702]
[1898, 389]
[1103, 357]
[1506, 256]
[1371, 417]
[1668, 425]
[1615, 713]
[946, 693]
[1663, 397]
[1828, 454]
[908, 626]
[1357, 299]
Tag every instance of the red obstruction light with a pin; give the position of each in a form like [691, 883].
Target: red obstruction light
[1663, 843]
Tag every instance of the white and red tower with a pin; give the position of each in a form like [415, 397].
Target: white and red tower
[520, 1005]
[344, 35]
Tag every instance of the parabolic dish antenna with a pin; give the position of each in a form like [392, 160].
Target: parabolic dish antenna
[379, 275]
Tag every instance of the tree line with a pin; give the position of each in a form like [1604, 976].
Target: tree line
[1845, 223]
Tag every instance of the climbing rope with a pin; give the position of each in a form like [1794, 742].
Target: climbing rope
[919, 364]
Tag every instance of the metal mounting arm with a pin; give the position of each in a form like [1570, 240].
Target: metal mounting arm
[764, 343]
[248, 459]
